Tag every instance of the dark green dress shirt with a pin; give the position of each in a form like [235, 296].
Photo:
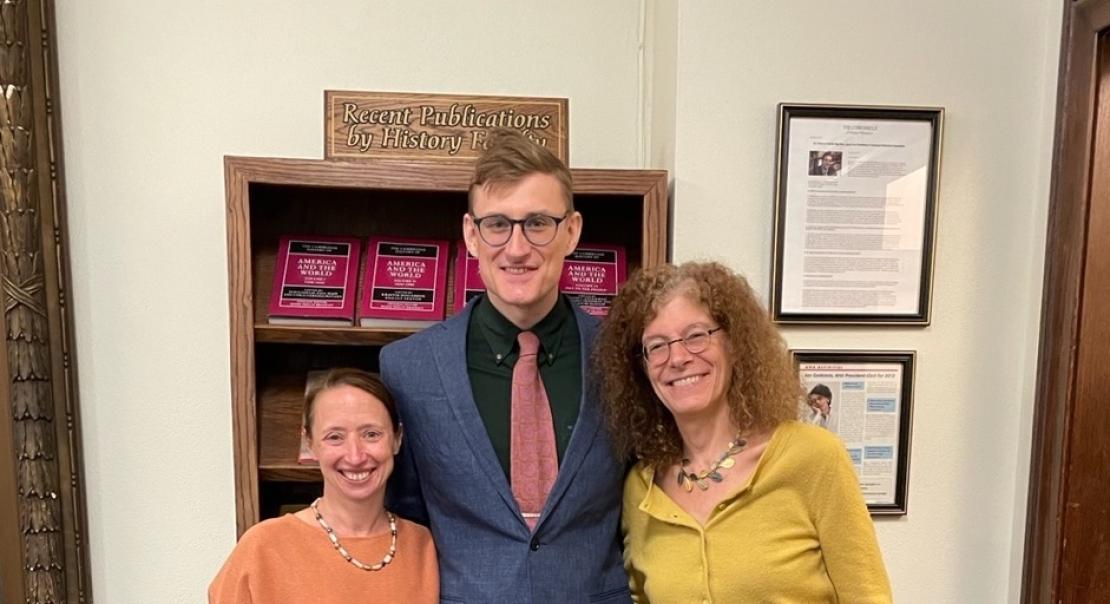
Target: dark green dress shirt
[491, 352]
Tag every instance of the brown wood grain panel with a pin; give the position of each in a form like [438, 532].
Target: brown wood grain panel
[1066, 240]
[289, 473]
[1086, 524]
[1095, 13]
[281, 400]
[378, 174]
[241, 320]
[656, 227]
[352, 336]
[362, 125]
[617, 182]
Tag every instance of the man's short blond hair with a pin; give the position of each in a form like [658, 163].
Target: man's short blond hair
[509, 157]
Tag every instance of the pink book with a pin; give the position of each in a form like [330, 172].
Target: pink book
[314, 281]
[468, 282]
[405, 282]
[592, 274]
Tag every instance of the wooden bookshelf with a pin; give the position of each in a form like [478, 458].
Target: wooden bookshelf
[270, 197]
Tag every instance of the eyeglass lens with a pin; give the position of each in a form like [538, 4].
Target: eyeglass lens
[657, 352]
[538, 229]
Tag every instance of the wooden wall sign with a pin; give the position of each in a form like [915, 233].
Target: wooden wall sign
[448, 127]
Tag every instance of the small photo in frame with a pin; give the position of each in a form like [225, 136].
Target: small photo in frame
[825, 163]
[855, 213]
[865, 398]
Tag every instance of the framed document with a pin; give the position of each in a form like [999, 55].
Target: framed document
[855, 212]
[866, 398]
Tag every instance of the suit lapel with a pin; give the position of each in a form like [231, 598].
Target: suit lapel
[589, 418]
[449, 350]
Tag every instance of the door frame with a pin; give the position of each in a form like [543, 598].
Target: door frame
[1065, 258]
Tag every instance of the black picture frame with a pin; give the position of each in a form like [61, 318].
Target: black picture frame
[855, 309]
[850, 365]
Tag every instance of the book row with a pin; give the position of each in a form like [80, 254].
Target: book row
[404, 280]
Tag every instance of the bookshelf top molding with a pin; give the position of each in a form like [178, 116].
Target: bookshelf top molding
[413, 175]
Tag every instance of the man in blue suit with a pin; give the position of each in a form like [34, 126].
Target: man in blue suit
[454, 387]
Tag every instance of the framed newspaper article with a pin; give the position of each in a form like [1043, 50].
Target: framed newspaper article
[855, 213]
[865, 398]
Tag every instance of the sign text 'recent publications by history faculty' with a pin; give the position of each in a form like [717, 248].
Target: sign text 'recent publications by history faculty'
[399, 125]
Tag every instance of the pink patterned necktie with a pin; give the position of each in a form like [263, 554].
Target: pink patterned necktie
[534, 462]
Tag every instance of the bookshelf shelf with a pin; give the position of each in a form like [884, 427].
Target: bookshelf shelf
[271, 197]
[351, 336]
[288, 472]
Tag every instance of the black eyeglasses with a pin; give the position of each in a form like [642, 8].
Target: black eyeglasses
[657, 352]
[497, 229]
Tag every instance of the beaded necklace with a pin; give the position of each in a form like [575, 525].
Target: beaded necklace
[687, 480]
[343, 551]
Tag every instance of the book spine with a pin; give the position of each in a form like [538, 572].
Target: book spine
[468, 279]
[280, 265]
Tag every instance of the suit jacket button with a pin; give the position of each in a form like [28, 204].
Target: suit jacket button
[535, 545]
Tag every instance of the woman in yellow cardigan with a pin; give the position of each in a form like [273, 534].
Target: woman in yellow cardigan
[732, 499]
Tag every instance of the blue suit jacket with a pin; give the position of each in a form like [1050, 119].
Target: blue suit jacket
[448, 477]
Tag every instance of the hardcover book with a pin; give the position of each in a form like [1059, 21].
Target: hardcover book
[314, 281]
[592, 274]
[405, 282]
[468, 282]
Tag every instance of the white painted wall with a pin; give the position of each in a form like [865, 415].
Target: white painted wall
[153, 94]
[992, 65]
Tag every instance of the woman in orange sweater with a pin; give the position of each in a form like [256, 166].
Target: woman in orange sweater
[345, 547]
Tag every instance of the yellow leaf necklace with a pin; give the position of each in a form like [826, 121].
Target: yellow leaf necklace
[687, 480]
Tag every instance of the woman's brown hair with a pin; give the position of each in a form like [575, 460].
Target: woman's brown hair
[763, 389]
[357, 378]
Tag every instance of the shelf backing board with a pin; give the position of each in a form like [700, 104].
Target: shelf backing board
[277, 211]
[280, 375]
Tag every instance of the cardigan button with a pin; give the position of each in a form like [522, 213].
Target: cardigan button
[535, 545]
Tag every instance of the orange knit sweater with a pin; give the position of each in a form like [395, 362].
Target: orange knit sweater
[286, 560]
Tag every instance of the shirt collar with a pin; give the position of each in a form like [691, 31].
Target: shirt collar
[500, 333]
